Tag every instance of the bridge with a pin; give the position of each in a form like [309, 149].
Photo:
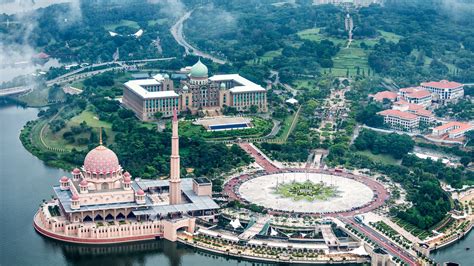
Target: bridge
[14, 91]
[81, 73]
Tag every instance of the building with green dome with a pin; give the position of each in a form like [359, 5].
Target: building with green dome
[198, 92]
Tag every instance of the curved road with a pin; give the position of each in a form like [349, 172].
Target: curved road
[177, 32]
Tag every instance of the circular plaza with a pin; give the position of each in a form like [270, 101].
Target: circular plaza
[316, 192]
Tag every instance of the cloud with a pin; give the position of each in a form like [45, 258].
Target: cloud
[16, 52]
[170, 8]
[458, 9]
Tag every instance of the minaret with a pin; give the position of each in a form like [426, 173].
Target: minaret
[175, 181]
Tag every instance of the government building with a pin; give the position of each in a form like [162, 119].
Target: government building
[102, 204]
[198, 92]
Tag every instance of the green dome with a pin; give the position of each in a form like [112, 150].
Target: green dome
[199, 70]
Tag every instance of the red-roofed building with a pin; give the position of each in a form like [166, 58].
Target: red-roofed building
[425, 116]
[453, 130]
[400, 120]
[444, 90]
[416, 95]
[380, 96]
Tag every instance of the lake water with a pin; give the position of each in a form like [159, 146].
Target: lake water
[26, 181]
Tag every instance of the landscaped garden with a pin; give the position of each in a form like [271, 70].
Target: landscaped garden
[307, 190]
[260, 127]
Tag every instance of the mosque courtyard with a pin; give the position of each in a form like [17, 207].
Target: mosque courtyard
[306, 192]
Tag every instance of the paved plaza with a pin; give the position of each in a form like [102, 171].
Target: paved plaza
[261, 190]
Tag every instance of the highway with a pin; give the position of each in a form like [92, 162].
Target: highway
[177, 32]
[79, 74]
[381, 241]
[14, 91]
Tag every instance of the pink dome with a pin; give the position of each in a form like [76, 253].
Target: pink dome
[140, 192]
[83, 183]
[101, 160]
[126, 174]
[75, 197]
[64, 179]
[127, 179]
[76, 171]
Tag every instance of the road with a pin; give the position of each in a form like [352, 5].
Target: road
[178, 34]
[79, 74]
[381, 240]
[14, 91]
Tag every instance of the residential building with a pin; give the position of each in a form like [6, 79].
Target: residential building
[444, 91]
[452, 130]
[416, 95]
[380, 96]
[400, 120]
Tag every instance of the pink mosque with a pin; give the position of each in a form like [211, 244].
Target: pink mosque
[102, 204]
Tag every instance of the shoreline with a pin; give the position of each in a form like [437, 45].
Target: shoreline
[264, 259]
[453, 241]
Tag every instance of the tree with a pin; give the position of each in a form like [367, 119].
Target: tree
[465, 160]
[158, 115]
[253, 109]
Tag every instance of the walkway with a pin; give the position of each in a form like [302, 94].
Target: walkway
[328, 235]
[259, 157]
[254, 228]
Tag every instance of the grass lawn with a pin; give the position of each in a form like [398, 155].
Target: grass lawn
[381, 158]
[285, 125]
[123, 22]
[160, 21]
[56, 140]
[266, 57]
[315, 35]
[389, 36]
[304, 83]
[350, 58]
[90, 118]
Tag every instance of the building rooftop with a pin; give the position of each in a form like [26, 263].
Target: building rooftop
[379, 96]
[202, 180]
[242, 84]
[423, 112]
[457, 127]
[136, 86]
[416, 93]
[140, 76]
[443, 84]
[399, 114]
[194, 202]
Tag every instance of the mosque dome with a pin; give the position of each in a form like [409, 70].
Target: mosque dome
[101, 160]
[76, 171]
[199, 70]
[223, 85]
[127, 177]
[64, 179]
[140, 192]
[185, 88]
[75, 197]
[83, 183]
